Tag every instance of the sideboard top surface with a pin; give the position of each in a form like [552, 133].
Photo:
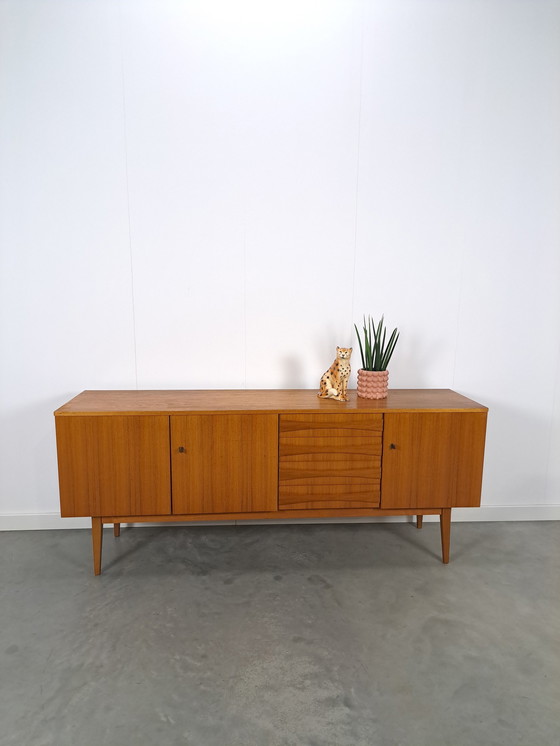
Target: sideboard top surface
[259, 400]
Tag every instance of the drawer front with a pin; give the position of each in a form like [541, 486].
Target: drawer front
[329, 461]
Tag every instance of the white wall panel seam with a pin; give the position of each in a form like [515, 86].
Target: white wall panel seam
[132, 298]
[361, 93]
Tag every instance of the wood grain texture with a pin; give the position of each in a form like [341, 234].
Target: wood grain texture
[97, 543]
[229, 463]
[267, 515]
[329, 461]
[116, 465]
[445, 528]
[432, 459]
[262, 400]
[424, 447]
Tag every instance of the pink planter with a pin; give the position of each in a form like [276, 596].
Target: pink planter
[373, 384]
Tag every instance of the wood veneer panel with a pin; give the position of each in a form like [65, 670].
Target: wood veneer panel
[317, 495]
[271, 515]
[229, 463]
[432, 459]
[311, 425]
[300, 467]
[261, 400]
[329, 461]
[113, 465]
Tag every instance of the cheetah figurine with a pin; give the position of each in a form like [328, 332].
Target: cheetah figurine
[335, 381]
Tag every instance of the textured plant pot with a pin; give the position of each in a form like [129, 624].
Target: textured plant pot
[373, 384]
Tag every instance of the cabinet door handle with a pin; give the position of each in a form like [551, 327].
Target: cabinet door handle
[182, 449]
[392, 446]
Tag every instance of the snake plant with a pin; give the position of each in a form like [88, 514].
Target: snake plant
[376, 351]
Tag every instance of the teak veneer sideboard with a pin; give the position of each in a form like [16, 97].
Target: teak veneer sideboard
[148, 456]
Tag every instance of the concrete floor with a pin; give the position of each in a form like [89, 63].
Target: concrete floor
[312, 635]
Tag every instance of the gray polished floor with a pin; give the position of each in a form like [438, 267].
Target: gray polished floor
[273, 635]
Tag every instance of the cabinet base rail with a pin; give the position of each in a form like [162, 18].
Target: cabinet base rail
[97, 523]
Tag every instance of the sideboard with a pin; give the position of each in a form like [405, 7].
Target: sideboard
[149, 456]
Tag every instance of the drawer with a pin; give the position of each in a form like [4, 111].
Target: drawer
[329, 461]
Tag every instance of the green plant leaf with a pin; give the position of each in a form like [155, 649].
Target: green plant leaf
[390, 348]
[376, 351]
[361, 348]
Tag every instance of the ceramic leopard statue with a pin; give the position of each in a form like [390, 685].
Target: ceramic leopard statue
[335, 381]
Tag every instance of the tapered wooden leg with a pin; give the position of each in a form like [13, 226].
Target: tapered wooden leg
[419, 519]
[445, 525]
[97, 541]
[117, 529]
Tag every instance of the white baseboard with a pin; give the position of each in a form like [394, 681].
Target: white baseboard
[47, 521]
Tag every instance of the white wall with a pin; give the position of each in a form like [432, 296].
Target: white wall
[209, 194]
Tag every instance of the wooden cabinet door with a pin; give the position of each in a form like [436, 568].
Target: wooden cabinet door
[113, 466]
[329, 461]
[432, 459]
[224, 463]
